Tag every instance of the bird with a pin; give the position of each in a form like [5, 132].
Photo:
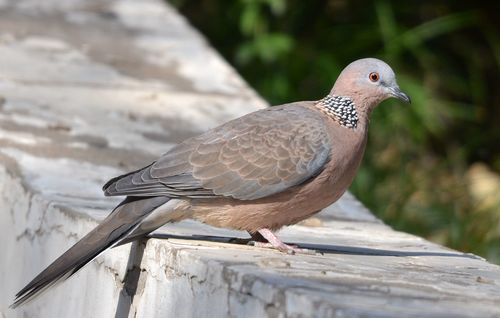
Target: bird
[268, 169]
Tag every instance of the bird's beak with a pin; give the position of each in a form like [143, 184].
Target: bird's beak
[398, 93]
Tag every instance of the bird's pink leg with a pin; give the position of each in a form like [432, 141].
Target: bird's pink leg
[276, 243]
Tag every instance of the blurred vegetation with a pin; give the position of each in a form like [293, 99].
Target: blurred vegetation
[431, 168]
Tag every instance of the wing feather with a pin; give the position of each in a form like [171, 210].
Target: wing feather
[251, 157]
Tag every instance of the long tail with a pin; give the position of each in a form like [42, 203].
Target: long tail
[116, 227]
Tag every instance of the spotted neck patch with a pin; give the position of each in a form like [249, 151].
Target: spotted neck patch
[340, 108]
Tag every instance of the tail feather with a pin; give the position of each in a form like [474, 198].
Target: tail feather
[122, 221]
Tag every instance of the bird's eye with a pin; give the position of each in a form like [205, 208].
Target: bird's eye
[374, 77]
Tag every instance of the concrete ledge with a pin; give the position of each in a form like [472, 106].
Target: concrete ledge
[89, 89]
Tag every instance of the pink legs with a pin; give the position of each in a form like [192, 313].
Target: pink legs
[274, 242]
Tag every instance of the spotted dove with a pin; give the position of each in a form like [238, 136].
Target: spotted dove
[257, 173]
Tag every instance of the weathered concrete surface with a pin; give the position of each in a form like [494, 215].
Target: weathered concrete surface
[89, 89]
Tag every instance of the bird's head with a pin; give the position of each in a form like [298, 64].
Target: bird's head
[368, 82]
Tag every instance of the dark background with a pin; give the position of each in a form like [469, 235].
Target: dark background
[431, 168]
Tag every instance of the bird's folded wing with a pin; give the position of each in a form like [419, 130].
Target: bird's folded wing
[251, 157]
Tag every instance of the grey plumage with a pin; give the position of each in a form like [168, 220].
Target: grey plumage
[251, 157]
[265, 170]
[248, 158]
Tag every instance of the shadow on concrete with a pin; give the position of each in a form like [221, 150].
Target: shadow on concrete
[352, 250]
[131, 280]
[133, 276]
[323, 248]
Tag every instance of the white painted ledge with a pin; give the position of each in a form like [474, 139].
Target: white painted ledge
[89, 89]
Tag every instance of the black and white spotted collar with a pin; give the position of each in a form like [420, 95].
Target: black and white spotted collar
[341, 108]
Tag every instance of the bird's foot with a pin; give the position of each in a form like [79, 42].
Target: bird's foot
[285, 248]
[274, 242]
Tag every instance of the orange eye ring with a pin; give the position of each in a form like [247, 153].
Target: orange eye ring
[374, 77]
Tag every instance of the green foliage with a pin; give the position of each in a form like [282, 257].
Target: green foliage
[420, 172]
